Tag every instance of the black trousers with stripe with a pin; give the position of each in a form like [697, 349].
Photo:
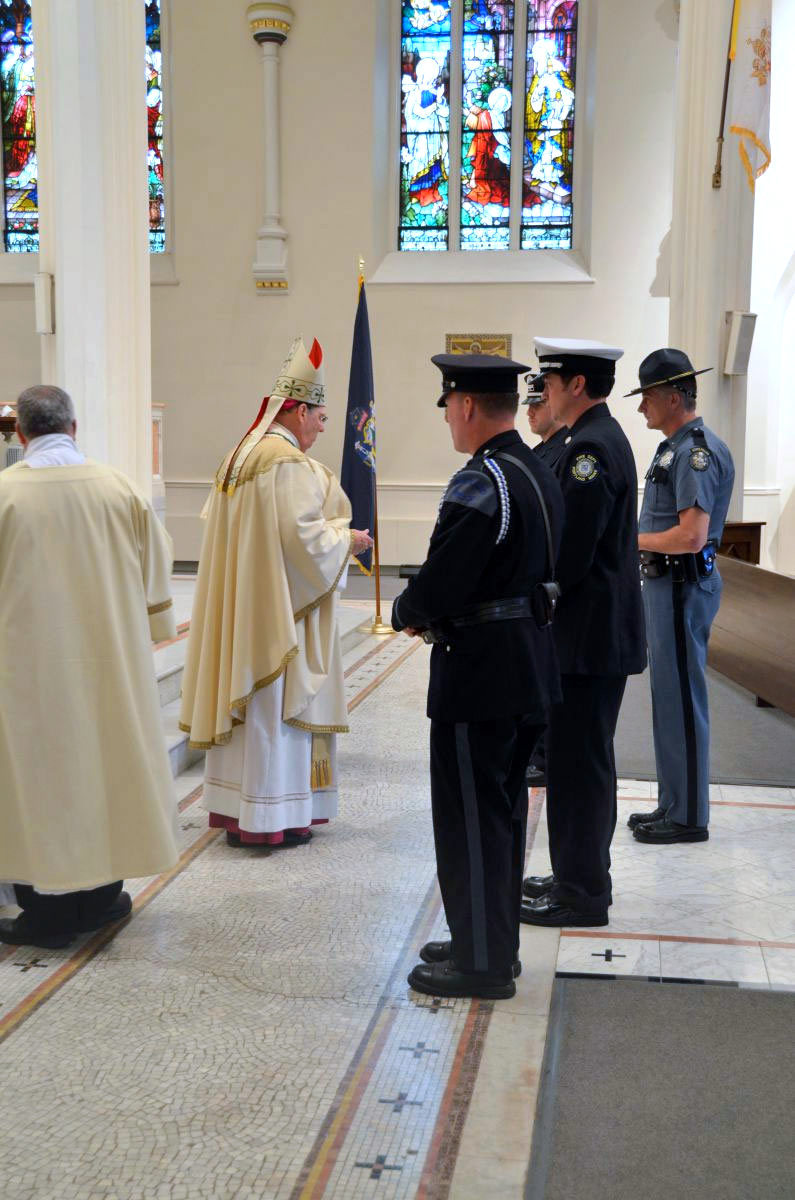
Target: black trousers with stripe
[581, 789]
[479, 801]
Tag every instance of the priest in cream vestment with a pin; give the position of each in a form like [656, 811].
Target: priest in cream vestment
[263, 689]
[86, 793]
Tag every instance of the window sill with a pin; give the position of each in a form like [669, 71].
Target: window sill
[492, 266]
[20, 269]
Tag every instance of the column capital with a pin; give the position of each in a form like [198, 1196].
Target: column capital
[270, 22]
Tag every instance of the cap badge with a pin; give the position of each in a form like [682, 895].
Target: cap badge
[699, 458]
[585, 468]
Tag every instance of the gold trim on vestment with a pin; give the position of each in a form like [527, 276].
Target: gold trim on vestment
[307, 727]
[158, 608]
[299, 616]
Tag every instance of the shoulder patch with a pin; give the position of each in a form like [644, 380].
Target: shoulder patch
[585, 468]
[472, 489]
[700, 458]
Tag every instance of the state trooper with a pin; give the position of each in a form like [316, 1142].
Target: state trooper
[484, 598]
[688, 489]
[553, 434]
[598, 633]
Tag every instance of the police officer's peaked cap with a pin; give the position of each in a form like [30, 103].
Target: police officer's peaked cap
[572, 356]
[477, 374]
[665, 366]
[535, 389]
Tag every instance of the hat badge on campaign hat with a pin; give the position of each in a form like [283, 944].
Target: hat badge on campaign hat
[301, 377]
[477, 374]
[576, 355]
[665, 366]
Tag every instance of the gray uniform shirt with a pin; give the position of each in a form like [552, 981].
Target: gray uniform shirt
[688, 472]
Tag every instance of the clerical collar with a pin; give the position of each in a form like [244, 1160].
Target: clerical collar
[53, 450]
[280, 431]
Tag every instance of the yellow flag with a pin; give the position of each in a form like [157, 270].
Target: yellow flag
[750, 104]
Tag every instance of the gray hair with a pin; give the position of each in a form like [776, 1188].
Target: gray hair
[44, 409]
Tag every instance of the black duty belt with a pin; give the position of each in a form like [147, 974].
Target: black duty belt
[493, 610]
[683, 568]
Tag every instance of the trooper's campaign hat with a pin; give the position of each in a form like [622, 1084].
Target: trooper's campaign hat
[575, 355]
[665, 366]
[477, 374]
[535, 389]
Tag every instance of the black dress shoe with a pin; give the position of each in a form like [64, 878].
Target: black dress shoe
[537, 885]
[645, 818]
[663, 832]
[118, 910]
[22, 932]
[546, 911]
[535, 776]
[445, 979]
[435, 952]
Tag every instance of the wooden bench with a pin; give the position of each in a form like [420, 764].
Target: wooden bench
[753, 636]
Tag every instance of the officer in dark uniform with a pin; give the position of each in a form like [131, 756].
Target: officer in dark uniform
[598, 633]
[479, 597]
[688, 489]
[553, 436]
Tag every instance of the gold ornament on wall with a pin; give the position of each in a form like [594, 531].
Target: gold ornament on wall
[480, 343]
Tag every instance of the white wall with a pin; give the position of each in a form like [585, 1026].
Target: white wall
[217, 345]
[770, 436]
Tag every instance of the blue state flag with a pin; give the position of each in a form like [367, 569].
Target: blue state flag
[358, 455]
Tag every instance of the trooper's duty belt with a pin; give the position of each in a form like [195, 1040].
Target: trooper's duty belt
[683, 568]
[512, 609]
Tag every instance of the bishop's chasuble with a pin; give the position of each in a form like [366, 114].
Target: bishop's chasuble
[263, 689]
[86, 794]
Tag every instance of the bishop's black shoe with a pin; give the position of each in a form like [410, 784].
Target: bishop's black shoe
[537, 885]
[660, 833]
[20, 931]
[548, 912]
[445, 979]
[645, 818]
[435, 952]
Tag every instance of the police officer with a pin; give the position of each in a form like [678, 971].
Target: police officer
[553, 434]
[478, 597]
[688, 488]
[598, 632]
[543, 424]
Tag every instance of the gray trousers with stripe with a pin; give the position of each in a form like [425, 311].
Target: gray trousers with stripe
[679, 617]
[479, 800]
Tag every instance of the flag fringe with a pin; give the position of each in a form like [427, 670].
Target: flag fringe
[751, 172]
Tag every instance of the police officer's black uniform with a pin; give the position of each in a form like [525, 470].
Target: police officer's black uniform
[550, 451]
[493, 677]
[599, 636]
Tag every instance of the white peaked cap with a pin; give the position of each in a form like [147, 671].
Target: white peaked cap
[301, 377]
[575, 347]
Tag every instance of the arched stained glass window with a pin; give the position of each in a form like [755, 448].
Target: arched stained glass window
[18, 183]
[18, 121]
[487, 124]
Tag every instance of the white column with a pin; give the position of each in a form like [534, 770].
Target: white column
[270, 24]
[91, 141]
[712, 230]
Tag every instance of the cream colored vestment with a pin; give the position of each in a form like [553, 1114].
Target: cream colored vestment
[86, 794]
[265, 617]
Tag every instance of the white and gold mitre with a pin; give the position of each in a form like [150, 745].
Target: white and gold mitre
[301, 377]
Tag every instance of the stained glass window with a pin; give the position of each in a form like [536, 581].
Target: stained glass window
[18, 123]
[154, 118]
[549, 125]
[486, 142]
[18, 182]
[511, 116]
[425, 125]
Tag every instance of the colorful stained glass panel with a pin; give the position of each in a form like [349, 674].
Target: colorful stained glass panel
[486, 117]
[154, 117]
[425, 125]
[549, 125]
[18, 123]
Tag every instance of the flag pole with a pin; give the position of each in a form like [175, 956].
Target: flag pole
[717, 174]
[376, 627]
